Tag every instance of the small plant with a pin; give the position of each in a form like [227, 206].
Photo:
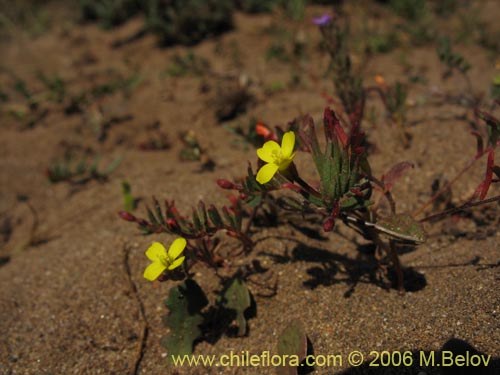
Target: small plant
[452, 60]
[394, 99]
[55, 86]
[188, 64]
[156, 140]
[129, 202]
[345, 192]
[348, 84]
[276, 191]
[79, 172]
[192, 151]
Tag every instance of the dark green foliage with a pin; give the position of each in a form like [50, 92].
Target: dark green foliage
[342, 166]
[185, 303]
[188, 21]
[109, 13]
[237, 298]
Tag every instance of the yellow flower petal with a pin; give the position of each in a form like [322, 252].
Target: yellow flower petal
[176, 263]
[268, 152]
[176, 248]
[156, 251]
[287, 144]
[266, 173]
[154, 270]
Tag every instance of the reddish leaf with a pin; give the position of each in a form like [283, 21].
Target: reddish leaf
[328, 98]
[333, 129]
[483, 187]
[395, 173]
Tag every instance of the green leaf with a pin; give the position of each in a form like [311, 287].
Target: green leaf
[185, 303]
[196, 220]
[237, 298]
[158, 210]
[112, 166]
[202, 213]
[214, 216]
[292, 343]
[402, 227]
[128, 198]
[151, 216]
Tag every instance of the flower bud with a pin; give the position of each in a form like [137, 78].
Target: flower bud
[225, 184]
[172, 222]
[127, 216]
[329, 224]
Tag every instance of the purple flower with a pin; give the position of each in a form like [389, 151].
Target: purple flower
[323, 20]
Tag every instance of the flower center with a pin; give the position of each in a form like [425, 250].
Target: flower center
[164, 259]
[277, 156]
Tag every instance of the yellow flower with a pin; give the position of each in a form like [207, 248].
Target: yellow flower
[163, 259]
[277, 158]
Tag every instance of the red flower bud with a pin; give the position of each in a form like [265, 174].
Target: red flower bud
[127, 216]
[234, 200]
[329, 224]
[225, 184]
[171, 222]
